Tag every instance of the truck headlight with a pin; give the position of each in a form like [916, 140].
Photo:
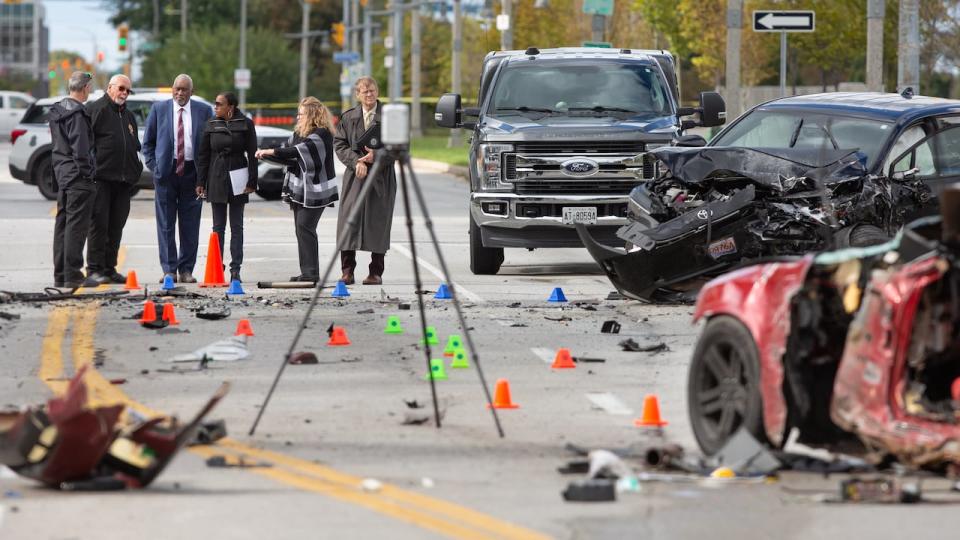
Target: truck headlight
[491, 162]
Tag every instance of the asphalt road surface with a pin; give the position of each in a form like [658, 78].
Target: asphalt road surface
[338, 460]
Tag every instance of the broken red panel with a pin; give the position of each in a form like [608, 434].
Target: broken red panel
[70, 445]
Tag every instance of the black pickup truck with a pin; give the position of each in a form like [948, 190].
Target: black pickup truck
[561, 137]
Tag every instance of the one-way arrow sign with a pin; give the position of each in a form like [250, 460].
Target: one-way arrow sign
[783, 21]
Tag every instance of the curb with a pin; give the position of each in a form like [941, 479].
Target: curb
[429, 165]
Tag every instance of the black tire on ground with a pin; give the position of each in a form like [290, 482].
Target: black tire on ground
[270, 195]
[483, 260]
[867, 235]
[723, 385]
[43, 177]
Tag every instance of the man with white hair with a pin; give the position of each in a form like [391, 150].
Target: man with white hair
[118, 171]
[74, 166]
[172, 133]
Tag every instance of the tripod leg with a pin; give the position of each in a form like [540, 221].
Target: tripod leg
[347, 230]
[417, 286]
[405, 162]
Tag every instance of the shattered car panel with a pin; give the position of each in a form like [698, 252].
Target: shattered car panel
[70, 444]
[715, 207]
[856, 346]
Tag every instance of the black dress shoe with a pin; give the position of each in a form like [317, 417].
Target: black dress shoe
[187, 277]
[235, 275]
[98, 277]
[91, 282]
[116, 277]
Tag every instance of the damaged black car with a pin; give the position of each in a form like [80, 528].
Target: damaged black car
[789, 177]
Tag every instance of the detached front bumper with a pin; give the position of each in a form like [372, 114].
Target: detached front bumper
[508, 220]
[678, 250]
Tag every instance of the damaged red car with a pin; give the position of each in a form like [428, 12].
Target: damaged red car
[857, 349]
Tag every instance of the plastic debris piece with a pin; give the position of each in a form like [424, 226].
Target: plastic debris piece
[231, 349]
[610, 327]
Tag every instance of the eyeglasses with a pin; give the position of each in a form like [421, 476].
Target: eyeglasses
[122, 89]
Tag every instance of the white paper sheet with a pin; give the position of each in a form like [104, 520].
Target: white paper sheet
[238, 178]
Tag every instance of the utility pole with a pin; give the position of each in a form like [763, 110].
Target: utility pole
[367, 42]
[304, 48]
[875, 9]
[183, 20]
[397, 34]
[352, 27]
[156, 19]
[506, 35]
[908, 53]
[734, 26]
[415, 127]
[598, 23]
[243, 44]
[345, 100]
[456, 139]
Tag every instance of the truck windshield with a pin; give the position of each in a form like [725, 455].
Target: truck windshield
[807, 129]
[585, 87]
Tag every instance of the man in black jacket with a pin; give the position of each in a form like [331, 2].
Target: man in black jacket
[118, 170]
[74, 166]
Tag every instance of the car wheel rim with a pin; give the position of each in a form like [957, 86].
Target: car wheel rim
[722, 392]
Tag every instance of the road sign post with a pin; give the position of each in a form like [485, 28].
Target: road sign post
[241, 79]
[784, 21]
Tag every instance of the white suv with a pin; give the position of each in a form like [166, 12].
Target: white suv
[30, 158]
[12, 107]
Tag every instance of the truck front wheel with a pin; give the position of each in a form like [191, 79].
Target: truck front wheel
[483, 260]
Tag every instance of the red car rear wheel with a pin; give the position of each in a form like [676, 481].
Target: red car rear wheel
[723, 385]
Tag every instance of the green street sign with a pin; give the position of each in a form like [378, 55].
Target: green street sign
[598, 44]
[598, 7]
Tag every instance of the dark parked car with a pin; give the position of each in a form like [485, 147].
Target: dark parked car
[788, 177]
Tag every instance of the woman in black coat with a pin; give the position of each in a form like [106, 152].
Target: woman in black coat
[227, 172]
[311, 182]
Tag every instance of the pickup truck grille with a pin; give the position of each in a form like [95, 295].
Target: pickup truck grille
[547, 169]
[574, 188]
[578, 148]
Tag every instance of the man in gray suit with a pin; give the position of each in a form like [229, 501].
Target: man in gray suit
[170, 138]
[372, 233]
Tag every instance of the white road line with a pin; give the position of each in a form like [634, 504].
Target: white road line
[544, 354]
[436, 272]
[609, 403]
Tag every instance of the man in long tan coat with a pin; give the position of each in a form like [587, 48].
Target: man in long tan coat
[372, 232]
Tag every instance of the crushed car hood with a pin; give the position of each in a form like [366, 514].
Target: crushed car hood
[776, 168]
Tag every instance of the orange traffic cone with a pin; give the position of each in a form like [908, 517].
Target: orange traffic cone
[338, 337]
[501, 398]
[149, 312]
[169, 315]
[213, 273]
[650, 417]
[563, 359]
[244, 328]
[132, 284]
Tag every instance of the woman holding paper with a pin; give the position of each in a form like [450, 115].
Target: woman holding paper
[311, 183]
[227, 172]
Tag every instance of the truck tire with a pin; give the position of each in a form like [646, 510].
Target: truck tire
[860, 236]
[483, 260]
[43, 177]
[723, 385]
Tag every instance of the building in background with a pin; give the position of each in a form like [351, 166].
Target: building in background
[25, 42]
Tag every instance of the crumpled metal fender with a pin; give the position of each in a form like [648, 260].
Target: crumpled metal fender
[759, 297]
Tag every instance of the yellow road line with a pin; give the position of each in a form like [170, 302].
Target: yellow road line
[429, 513]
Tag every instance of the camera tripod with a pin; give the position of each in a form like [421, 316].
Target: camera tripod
[400, 155]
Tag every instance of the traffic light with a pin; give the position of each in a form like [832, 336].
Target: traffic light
[337, 33]
[122, 32]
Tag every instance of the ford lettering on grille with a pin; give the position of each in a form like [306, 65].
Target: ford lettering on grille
[579, 167]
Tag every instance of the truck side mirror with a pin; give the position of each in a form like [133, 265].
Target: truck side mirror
[713, 110]
[448, 111]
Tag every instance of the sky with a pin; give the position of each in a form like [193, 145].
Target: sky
[75, 25]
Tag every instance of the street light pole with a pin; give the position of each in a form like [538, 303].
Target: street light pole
[183, 20]
[456, 139]
[397, 73]
[415, 127]
[367, 42]
[243, 46]
[506, 36]
[304, 49]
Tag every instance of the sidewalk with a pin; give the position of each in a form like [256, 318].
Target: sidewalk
[427, 165]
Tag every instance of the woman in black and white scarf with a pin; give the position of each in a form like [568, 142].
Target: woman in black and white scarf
[311, 183]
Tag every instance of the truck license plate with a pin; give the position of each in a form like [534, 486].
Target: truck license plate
[580, 214]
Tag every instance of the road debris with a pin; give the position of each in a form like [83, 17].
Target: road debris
[596, 490]
[610, 327]
[213, 312]
[585, 360]
[9, 316]
[232, 349]
[239, 462]
[303, 357]
[209, 433]
[68, 444]
[562, 318]
[630, 345]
